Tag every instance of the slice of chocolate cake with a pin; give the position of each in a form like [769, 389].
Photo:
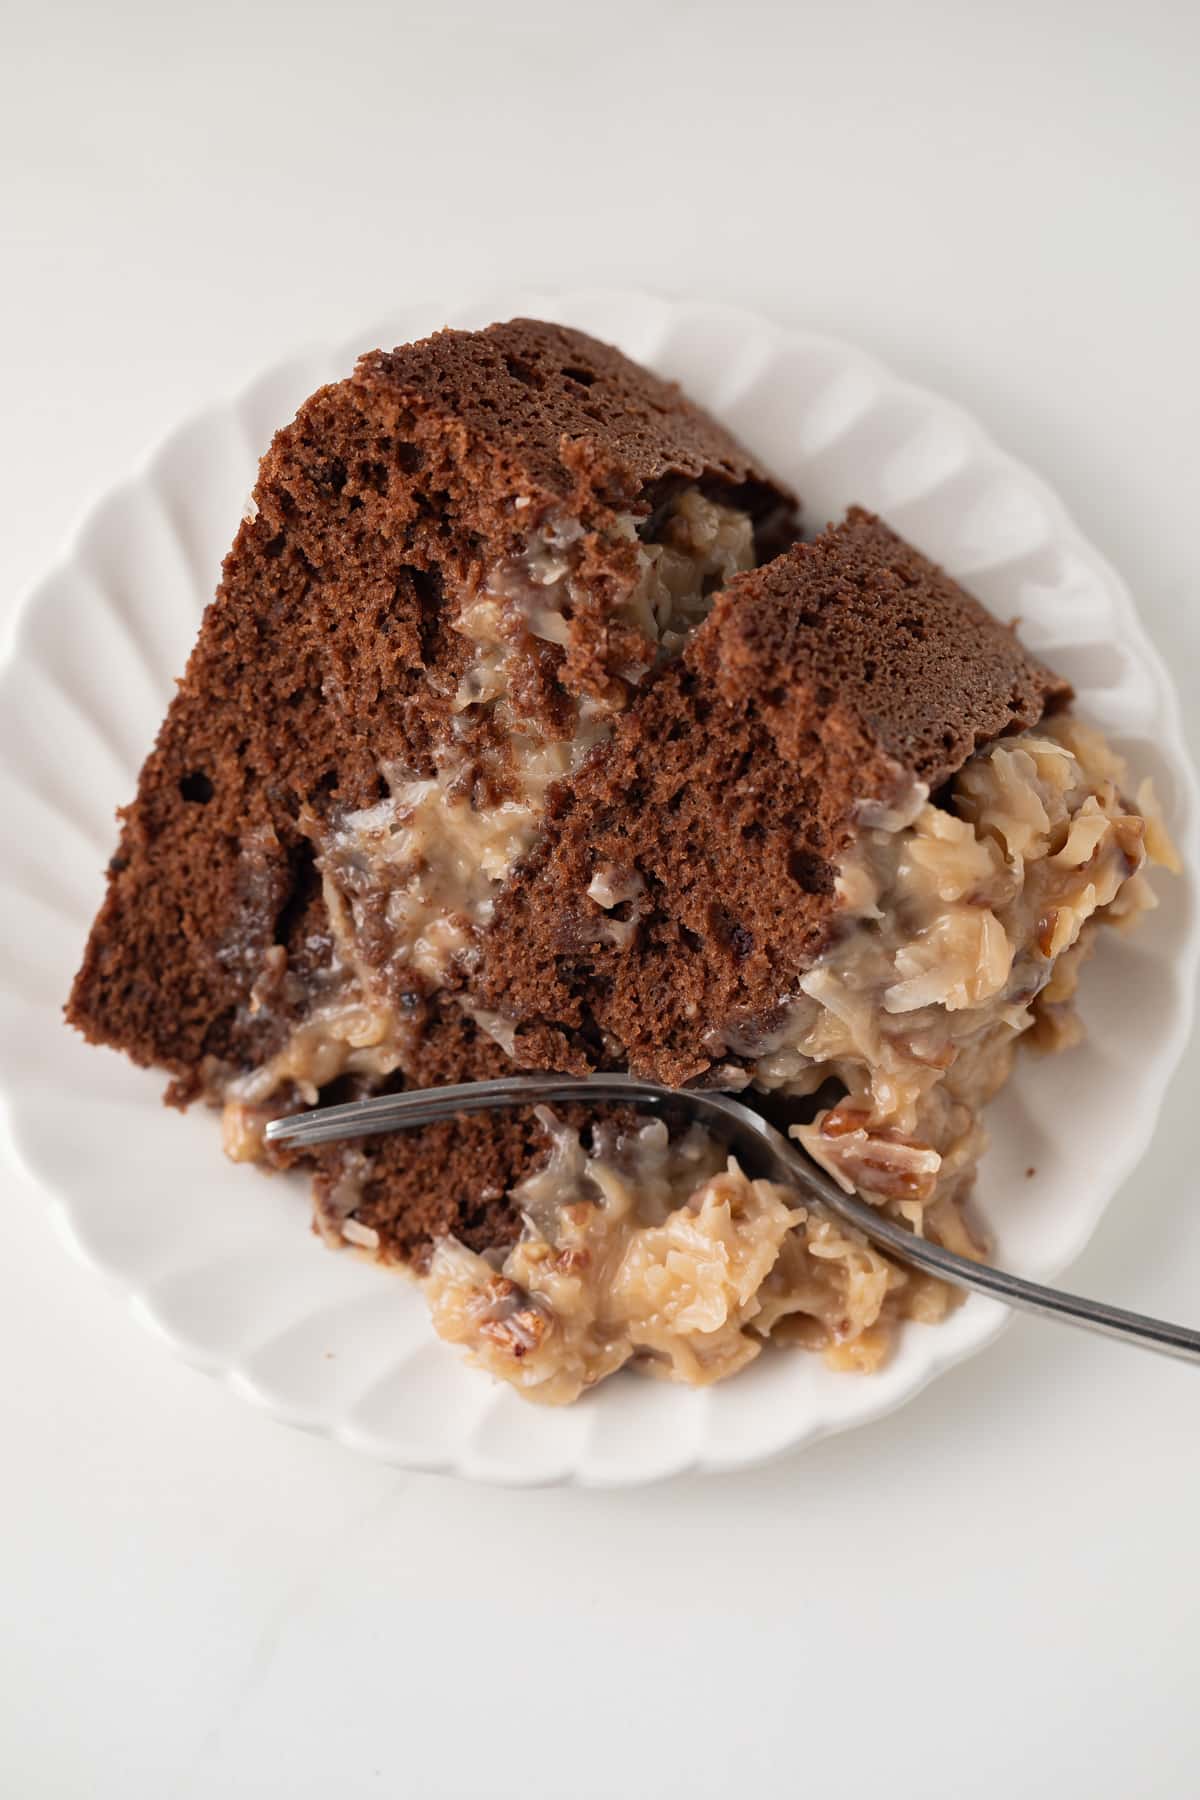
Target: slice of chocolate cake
[498, 748]
[460, 563]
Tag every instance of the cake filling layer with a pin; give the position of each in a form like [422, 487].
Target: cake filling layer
[664, 1253]
[966, 928]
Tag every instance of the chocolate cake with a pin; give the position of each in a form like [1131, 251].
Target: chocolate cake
[830, 680]
[521, 732]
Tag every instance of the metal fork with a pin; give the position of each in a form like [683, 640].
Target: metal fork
[762, 1151]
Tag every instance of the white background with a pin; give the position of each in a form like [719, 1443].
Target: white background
[994, 1592]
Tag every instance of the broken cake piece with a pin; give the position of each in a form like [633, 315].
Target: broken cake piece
[522, 734]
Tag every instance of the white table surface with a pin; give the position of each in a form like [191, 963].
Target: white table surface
[993, 1593]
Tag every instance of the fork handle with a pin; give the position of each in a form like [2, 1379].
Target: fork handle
[1025, 1296]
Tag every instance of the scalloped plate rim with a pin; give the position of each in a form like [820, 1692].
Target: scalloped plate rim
[225, 1366]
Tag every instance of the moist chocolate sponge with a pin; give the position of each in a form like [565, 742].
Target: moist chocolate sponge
[328, 655]
[412, 1187]
[841, 672]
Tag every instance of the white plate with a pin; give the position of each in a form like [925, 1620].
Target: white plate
[220, 1261]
